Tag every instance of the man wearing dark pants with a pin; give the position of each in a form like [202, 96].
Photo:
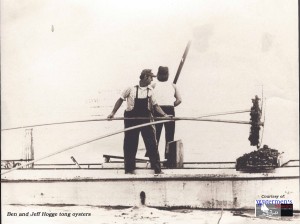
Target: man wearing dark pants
[168, 97]
[140, 99]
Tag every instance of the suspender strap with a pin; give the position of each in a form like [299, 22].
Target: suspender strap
[137, 90]
[136, 96]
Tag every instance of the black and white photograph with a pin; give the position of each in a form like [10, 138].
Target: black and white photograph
[157, 112]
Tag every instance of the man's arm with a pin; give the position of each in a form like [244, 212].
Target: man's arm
[116, 108]
[160, 111]
[177, 96]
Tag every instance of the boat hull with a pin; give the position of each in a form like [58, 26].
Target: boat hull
[190, 188]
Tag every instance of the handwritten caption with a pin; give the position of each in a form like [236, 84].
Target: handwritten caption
[49, 214]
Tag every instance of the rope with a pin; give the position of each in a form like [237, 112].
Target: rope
[122, 118]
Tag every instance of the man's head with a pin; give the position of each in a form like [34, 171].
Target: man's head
[163, 74]
[146, 77]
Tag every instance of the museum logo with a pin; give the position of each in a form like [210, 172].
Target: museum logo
[267, 208]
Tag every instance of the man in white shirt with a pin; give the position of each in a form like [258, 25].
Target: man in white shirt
[168, 97]
[140, 99]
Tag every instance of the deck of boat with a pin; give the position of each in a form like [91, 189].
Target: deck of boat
[198, 185]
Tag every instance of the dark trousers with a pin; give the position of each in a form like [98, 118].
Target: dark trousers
[131, 141]
[169, 126]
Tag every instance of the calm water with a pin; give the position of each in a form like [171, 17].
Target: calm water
[202, 141]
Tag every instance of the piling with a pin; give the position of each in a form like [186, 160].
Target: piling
[28, 152]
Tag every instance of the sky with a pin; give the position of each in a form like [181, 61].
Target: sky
[68, 60]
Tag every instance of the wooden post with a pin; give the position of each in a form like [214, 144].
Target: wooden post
[174, 154]
[28, 153]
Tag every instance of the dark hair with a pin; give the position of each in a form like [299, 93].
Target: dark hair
[163, 74]
[145, 72]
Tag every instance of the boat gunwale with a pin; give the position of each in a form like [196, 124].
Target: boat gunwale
[149, 178]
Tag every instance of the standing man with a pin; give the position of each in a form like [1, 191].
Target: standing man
[168, 97]
[140, 100]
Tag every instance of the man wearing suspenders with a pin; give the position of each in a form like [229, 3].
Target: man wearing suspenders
[140, 99]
